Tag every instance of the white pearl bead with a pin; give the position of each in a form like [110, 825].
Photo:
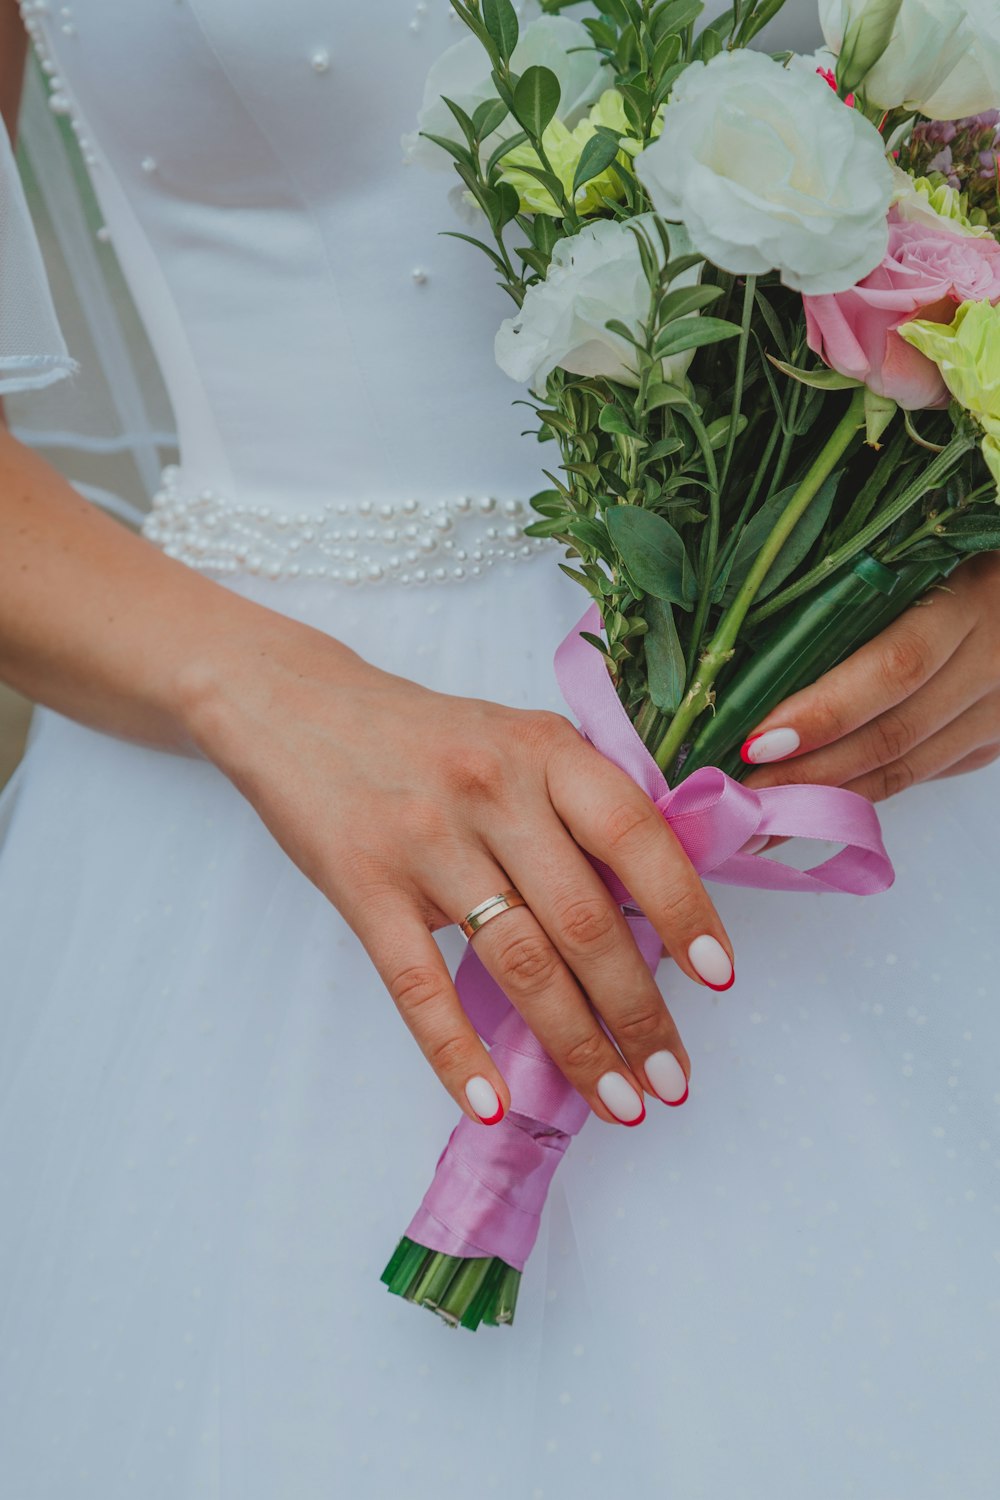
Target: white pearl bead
[319, 60]
[148, 165]
[209, 531]
[418, 276]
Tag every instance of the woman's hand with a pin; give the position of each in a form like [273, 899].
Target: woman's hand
[408, 808]
[920, 701]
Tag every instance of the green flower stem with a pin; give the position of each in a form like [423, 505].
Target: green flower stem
[749, 294]
[930, 478]
[463, 1290]
[699, 695]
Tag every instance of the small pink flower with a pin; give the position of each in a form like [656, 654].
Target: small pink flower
[831, 79]
[926, 273]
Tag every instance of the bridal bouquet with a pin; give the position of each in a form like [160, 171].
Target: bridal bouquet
[756, 304]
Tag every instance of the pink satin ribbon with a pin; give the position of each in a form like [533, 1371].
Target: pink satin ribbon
[490, 1184]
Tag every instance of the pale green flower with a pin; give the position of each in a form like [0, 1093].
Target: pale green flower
[967, 352]
[940, 205]
[564, 147]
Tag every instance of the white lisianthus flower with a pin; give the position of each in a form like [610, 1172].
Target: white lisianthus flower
[462, 74]
[593, 277]
[770, 171]
[925, 45]
[973, 85]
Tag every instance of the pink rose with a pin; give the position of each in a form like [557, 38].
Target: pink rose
[926, 273]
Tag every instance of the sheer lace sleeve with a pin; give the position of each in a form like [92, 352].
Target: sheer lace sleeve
[32, 349]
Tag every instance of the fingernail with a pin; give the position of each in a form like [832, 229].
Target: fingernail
[667, 1077]
[773, 744]
[484, 1100]
[621, 1099]
[711, 961]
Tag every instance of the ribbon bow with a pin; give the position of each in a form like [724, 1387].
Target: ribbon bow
[490, 1185]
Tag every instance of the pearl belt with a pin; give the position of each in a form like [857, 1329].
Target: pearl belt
[352, 543]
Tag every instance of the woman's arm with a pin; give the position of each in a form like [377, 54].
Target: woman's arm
[101, 625]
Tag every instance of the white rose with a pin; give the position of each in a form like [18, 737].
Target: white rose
[925, 45]
[462, 74]
[973, 85]
[770, 171]
[593, 276]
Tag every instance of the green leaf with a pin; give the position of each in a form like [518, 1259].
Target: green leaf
[879, 412]
[454, 234]
[536, 99]
[978, 531]
[653, 553]
[680, 264]
[661, 393]
[488, 116]
[500, 19]
[665, 674]
[821, 379]
[500, 151]
[693, 333]
[687, 299]
[796, 548]
[592, 533]
[598, 154]
[677, 15]
[460, 153]
[610, 419]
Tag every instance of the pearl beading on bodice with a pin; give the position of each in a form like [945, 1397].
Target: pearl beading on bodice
[353, 543]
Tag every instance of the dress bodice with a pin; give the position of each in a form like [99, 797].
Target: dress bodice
[322, 343]
[317, 334]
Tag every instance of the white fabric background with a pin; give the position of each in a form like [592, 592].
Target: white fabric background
[213, 1126]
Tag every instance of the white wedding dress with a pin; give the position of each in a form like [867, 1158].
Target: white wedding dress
[214, 1126]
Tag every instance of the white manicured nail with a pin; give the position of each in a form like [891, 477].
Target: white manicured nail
[711, 961]
[773, 744]
[483, 1097]
[621, 1099]
[667, 1077]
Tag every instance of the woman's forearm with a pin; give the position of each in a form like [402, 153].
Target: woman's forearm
[101, 625]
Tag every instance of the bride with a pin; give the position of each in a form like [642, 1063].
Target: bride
[298, 730]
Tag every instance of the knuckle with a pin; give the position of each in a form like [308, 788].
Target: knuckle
[894, 778]
[892, 736]
[540, 732]
[449, 1055]
[474, 772]
[633, 820]
[685, 910]
[587, 923]
[583, 1055]
[528, 962]
[905, 660]
[832, 723]
[413, 988]
[640, 1024]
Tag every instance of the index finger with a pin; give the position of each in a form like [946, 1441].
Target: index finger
[875, 678]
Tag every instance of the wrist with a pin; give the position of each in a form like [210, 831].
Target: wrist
[245, 676]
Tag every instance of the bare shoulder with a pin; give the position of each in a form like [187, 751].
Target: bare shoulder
[13, 48]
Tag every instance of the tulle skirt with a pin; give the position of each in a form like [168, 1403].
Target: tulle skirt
[214, 1127]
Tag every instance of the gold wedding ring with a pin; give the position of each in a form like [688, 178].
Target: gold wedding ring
[487, 910]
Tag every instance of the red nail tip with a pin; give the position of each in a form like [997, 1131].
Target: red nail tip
[728, 984]
[744, 757]
[493, 1119]
[673, 1103]
[639, 1121]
